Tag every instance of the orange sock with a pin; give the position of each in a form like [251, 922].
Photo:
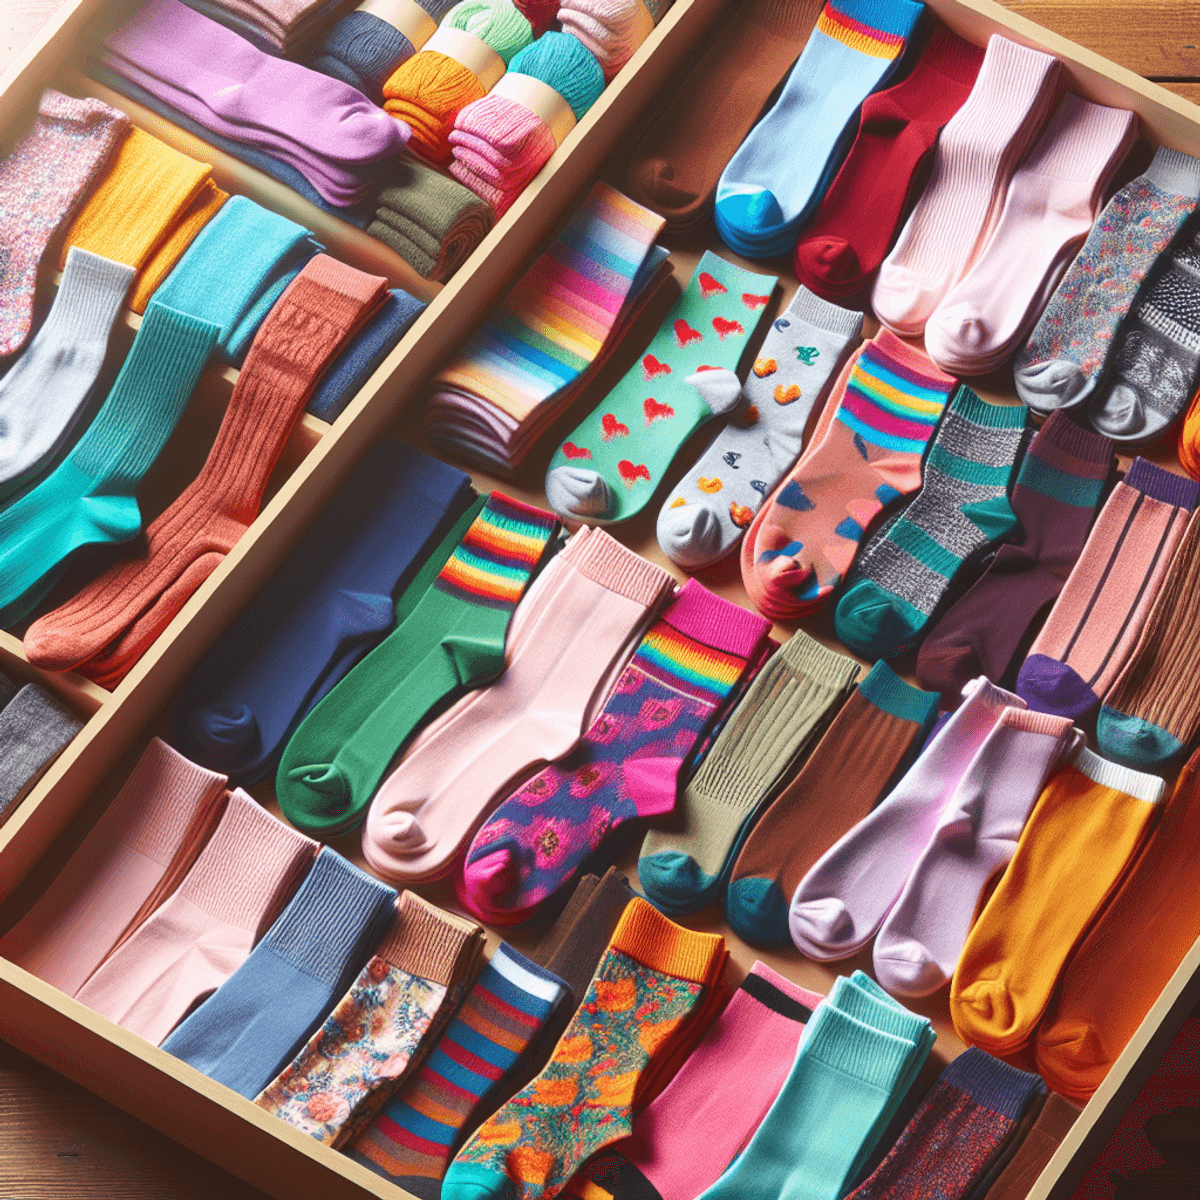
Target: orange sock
[1189, 438]
[204, 206]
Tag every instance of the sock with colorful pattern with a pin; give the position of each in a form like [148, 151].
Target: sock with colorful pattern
[805, 537]
[904, 570]
[799, 360]
[627, 764]
[683, 381]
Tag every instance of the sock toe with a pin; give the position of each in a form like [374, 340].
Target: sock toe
[1120, 414]
[675, 881]
[473, 1181]
[824, 925]
[751, 214]
[1049, 686]
[1134, 741]
[657, 179]
[989, 1010]
[1057, 383]
[230, 736]
[690, 535]
[577, 492]
[831, 260]
[906, 969]
[327, 787]
[758, 911]
[869, 621]
[491, 877]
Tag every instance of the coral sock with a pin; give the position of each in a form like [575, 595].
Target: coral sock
[1073, 853]
[1098, 617]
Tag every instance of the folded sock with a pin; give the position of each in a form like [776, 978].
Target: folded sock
[1034, 1151]
[34, 730]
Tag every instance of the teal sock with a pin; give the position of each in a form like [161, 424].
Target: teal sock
[92, 495]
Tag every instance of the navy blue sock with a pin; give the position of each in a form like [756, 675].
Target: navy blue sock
[363, 50]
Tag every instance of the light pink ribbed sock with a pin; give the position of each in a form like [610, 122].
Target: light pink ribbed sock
[150, 833]
[611, 29]
[205, 931]
[534, 713]
[976, 155]
[842, 901]
[918, 947]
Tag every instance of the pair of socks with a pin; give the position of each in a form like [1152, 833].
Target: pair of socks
[796, 367]
[34, 730]
[976, 157]
[326, 607]
[776, 178]
[1098, 617]
[685, 379]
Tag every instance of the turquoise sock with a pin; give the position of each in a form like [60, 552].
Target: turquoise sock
[1135, 741]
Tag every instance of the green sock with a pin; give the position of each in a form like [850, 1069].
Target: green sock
[450, 641]
[904, 570]
[91, 496]
[609, 468]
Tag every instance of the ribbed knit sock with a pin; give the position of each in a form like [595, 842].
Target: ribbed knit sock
[922, 936]
[45, 392]
[35, 729]
[450, 641]
[683, 381]
[206, 930]
[1034, 1151]
[841, 902]
[90, 497]
[766, 193]
[800, 358]
[253, 1024]
[834, 790]
[804, 539]
[1098, 618]
[1057, 491]
[903, 572]
[1065, 355]
[976, 156]
[43, 178]
[844, 243]
[1187, 445]
[1073, 853]
[627, 765]
[964, 1122]
[649, 983]
[683, 867]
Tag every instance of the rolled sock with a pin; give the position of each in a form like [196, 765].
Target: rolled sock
[834, 790]
[839, 905]
[780, 719]
[683, 381]
[611, 29]
[1095, 815]
[1058, 488]
[800, 358]
[976, 156]
[844, 243]
[1098, 617]
[922, 936]
[1066, 353]
[804, 539]
[764, 195]
[905, 570]
[90, 497]
[34, 731]
[627, 765]
[452, 639]
[1034, 1151]
[325, 608]
[1052, 201]
[253, 1024]
[205, 931]
[43, 179]
[962, 1125]
[46, 390]
[603, 1060]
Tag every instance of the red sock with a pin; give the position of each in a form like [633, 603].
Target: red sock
[848, 238]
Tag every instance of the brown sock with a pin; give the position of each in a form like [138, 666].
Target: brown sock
[675, 168]
[1035, 1151]
[545, 950]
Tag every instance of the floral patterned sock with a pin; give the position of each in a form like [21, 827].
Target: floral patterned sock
[626, 766]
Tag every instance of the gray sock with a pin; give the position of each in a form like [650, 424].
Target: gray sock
[34, 730]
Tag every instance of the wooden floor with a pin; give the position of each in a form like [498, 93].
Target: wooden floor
[57, 1141]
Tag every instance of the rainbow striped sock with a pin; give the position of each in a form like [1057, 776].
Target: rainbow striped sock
[626, 766]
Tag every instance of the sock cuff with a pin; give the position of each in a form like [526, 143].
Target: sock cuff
[1161, 484]
[885, 689]
[657, 942]
[952, 56]
[423, 940]
[1029, 720]
[780, 994]
[991, 694]
[907, 360]
[1138, 784]
[92, 291]
[525, 974]
[718, 623]
[992, 1084]
[894, 19]
[806, 658]
[970, 406]
[855, 1048]
[607, 562]
[1080, 141]
[832, 318]
[861, 1001]
[1061, 433]
[1174, 172]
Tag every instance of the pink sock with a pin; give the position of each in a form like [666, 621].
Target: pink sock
[976, 155]
[499, 146]
[206, 930]
[150, 833]
[842, 901]
[918, 947]
[1052, 201]
[611, 29]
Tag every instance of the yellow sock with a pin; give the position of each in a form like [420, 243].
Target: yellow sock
[170, 250]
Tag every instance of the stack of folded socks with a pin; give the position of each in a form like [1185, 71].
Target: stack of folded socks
[286, 28]
[611, 29]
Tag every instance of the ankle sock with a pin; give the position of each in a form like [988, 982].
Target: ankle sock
[682, 868]
[1066, 353]
[904, 571]
[799, 360]
[766, 192]
[683, 381]
[1098, 617]
[804, 539]
[1058, 488]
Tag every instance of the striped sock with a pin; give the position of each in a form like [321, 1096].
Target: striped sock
[411, 1140]
[626, 766]
[906, 568]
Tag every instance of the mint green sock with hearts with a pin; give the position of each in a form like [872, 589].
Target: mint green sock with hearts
[905, 569]
[610, 467]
